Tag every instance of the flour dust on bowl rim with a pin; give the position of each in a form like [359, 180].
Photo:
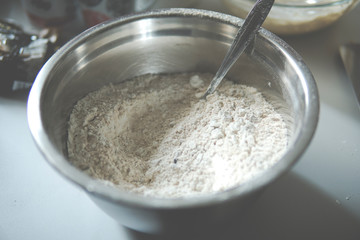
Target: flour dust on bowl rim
[169, 41]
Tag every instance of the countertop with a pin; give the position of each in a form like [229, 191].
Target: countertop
[318, 199]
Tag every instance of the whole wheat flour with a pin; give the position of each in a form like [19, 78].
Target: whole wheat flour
[154, 136]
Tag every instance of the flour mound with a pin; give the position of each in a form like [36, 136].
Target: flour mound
[153, 136]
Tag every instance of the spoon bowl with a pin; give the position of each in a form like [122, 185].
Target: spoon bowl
[243, 39]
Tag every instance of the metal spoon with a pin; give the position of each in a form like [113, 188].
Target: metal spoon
[244, 37]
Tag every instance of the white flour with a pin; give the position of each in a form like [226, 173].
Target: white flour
[153, 136]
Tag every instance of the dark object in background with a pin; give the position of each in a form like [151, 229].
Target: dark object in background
[97, 11]
[350, 54]
[22, 55]
[50, 13]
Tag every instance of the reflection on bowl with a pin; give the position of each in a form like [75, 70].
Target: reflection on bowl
[169, 41]
[288, 17]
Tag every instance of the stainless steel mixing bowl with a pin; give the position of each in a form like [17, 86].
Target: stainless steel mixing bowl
[165, 41]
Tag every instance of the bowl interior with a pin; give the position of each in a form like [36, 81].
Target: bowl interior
[163, 42]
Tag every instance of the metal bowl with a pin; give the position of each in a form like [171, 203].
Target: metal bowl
[169, 41]
[290, 17]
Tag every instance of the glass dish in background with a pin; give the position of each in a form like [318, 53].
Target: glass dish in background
[289, 17]
[98, 11]
[175, 3]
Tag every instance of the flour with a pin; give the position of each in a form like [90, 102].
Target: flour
[154, 136]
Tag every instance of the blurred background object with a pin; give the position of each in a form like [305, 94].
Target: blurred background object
[177, 3]
[22, 55]
[45, 25]
[97, 11]
[350, 55]
[289, 17]
[50, 13]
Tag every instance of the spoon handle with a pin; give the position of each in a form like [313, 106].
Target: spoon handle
[242, 40]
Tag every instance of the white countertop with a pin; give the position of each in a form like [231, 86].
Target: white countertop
[318, 199]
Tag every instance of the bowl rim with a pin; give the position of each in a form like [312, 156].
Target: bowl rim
[99, 189]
